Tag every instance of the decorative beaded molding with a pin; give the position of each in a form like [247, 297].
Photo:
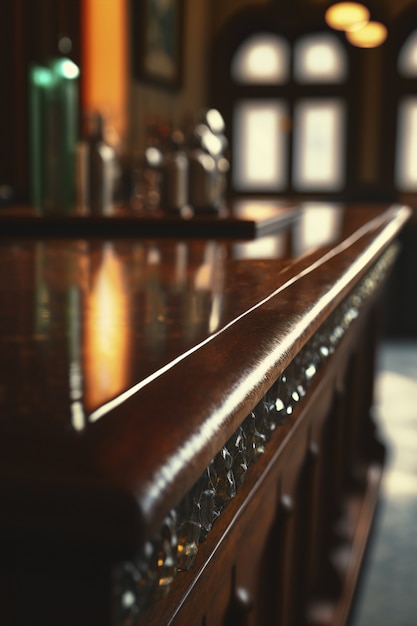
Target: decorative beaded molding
[147, 578]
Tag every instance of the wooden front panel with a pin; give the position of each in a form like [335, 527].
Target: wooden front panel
[269, 554]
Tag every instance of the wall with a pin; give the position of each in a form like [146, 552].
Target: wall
[176, 105]
[224, 10]
[104, 77]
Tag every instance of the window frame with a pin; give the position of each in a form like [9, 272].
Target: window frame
[224, 92]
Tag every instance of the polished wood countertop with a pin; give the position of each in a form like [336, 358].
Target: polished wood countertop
[126, 363]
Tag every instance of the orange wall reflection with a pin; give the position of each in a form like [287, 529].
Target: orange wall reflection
[107, 332]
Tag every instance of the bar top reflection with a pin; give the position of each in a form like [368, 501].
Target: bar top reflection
[85, 324]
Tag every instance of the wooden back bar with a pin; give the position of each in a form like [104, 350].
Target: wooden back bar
[131, 366]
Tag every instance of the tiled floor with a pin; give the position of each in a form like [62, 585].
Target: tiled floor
[388, 591]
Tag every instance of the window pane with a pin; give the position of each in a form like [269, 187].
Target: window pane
[406, 157]
[319, 145]
[407, 59]
[259, 145]
[320, 58]
[262, 58]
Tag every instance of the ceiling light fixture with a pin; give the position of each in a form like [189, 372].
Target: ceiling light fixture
[347, 16]
[354, 18]
[372, 35]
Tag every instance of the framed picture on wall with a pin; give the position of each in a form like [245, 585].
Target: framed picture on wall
[157, 34]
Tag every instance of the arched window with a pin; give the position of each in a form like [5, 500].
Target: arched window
[406, 139]
[264, 58]
[407, 58]
[260, 142]
[289, 113]
[320, 58]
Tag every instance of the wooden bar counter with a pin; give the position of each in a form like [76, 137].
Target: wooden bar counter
[186, 432]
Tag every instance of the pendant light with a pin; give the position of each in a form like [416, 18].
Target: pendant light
[347, 16]
[355, 19]
[372, 35]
